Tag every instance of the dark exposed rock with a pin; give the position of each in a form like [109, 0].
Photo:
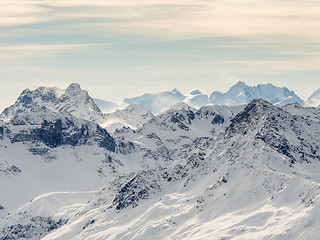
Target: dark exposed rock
[273, 125]
[74, 100]
[54, 130]
[145, 183]
[218, 119]
[11, 170]
[125, 147]
[179, 119]
[249, 117]
[1, 132]
[137, 188]
[37, 228]
[14, 170]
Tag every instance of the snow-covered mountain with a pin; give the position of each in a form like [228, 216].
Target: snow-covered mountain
[132, 116]
[215, 172]
[42, 127]
[257, 178]
[310, 113]
[157, 102]
[196, 99]
[247, 183]
[43, 151]
[72, 100]
[180, 126]
[314, 99]
[240, 93]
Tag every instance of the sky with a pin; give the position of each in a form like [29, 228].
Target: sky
[124, 48]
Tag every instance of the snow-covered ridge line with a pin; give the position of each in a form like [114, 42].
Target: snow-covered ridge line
[238, 94]
[72, 100]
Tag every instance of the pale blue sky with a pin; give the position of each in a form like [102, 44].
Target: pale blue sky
[123, 48]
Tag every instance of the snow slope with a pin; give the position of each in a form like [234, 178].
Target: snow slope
[132, 116]
[43, 151]
[256, 179]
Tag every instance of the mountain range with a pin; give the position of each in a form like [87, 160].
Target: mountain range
[245, 168]
[238, 94]
[72, 100]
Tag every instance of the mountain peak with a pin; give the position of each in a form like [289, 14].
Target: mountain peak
[238, 87]
[175, 91]
[26, 91]
[72, 100]
[157, 102]
[73, 88]
[195, 92]
[181, 106]
[259, 103]
[240, 94]
[240, 84]
[252, 115]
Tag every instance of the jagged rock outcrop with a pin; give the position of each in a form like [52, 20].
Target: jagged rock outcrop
[279, 129]
[72, 100]
[41, 125]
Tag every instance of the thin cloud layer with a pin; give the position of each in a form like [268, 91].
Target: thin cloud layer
[175, 18]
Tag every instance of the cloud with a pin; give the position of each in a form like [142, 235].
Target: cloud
[21, 12]
[169, 19]
[267, 66]
[42, 50]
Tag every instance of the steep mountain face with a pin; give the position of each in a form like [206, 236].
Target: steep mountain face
[158, 102]
[166, 136]
[72, 100]
[314, 99]
[279, 130]
[41, 126]
[240, 93]
[254, 179]
[132, 116]
[77, 102]
[43, 151]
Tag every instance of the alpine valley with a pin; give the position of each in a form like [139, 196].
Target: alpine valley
[244, 164]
